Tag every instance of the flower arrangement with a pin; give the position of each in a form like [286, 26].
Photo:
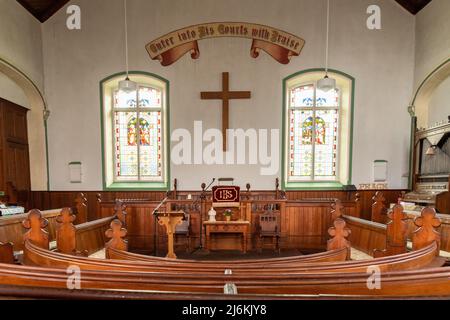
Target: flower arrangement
[228, 213]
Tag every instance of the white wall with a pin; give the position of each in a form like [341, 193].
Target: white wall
[432, 49]
[439, 108]
[9, 90]
[381, 61]
[21, 47]
[432, 38]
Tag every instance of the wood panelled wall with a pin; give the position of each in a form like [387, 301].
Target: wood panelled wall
[44, 200]
[304, 222]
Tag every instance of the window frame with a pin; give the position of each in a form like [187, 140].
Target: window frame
[107, 88]
[345, 127]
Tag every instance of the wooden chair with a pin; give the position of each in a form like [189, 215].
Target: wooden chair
[269, 228]
[184, 229]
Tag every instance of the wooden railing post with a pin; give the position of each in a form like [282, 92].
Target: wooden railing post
[358, 205]
[396, 233]
[117, 234]
[337, 210]
[339, 234]
[35, 225]
[120, 213]
[81, 209]
[426, 233]
[379, 208]
[66, 232]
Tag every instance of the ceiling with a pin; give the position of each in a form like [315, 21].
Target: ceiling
[413, 6]
[44, 9]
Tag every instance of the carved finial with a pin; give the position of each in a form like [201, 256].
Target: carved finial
[35, 225]
[116, 233]
[119, 212]
[426, 233]
[379, 208]
[175, 184]
[337, 210]
[339, 233]
[81, 208]
[396, 233]
[66, 232]
[203, 186]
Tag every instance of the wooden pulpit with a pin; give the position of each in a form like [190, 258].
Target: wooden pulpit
[170, 220]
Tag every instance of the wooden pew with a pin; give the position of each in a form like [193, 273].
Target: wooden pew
[11, 228]
[86, 238]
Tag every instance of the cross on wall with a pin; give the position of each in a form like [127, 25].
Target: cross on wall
[225, 95]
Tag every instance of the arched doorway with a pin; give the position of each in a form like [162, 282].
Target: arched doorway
[421, 100]
[36, 125]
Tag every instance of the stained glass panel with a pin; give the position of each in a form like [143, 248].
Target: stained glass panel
[327, 99]
[138, 135]
[150, 148]
[149, 98]
[124, 100]
[300, 145]
[326, 144]
[126, 151]
[302, 96]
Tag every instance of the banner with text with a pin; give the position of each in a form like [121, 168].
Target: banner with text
[279, 44]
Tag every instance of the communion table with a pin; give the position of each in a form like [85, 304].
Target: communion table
[170, 220]
[237, 227]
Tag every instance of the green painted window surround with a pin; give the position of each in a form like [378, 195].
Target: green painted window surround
[137, 185]
[316, 185]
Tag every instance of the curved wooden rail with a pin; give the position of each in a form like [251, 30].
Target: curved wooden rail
[428, 282]
[33, 255]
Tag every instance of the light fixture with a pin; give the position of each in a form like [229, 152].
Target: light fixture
[431, 151]
[326, 84]
[126, 85]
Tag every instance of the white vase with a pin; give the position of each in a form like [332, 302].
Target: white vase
[212, 215]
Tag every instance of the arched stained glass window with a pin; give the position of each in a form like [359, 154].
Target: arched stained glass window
[135, 126]
[314, 126]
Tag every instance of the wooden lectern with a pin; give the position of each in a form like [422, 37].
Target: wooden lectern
[170, 220]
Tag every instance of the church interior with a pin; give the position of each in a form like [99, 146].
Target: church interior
[224, 150]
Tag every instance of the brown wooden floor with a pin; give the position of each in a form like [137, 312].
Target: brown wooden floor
[233, 254]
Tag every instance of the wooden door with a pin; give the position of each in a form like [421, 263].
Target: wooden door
[14, 152]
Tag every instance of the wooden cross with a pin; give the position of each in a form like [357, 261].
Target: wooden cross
[225, 95]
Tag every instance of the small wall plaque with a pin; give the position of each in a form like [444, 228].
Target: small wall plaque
[75, 173]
